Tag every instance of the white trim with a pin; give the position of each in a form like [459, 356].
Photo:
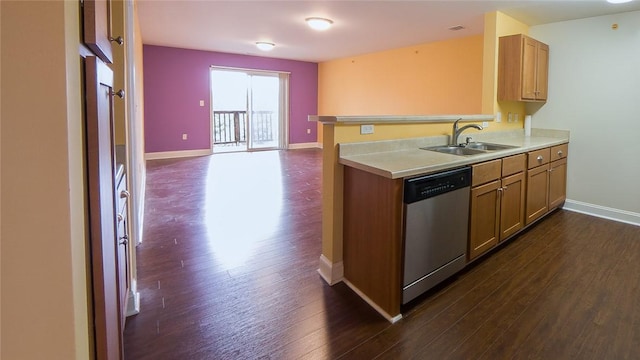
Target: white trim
[330, 272]
[310, 145]
[140, 214]
[248, 69]
[391, 319]
[133, 301]
[176, 154]
[283, 110]
[623, 216]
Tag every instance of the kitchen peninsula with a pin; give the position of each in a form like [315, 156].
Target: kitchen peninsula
[374, 211]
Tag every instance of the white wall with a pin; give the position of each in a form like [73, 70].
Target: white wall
[594, 91]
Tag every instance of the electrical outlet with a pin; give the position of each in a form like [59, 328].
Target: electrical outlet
[201, 102]
[485, 124]
[509, 117]
[498, 117]
[516, 118]
[366, 129]
[184, 136]
[308, 131]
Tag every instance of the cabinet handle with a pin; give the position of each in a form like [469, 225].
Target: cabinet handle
[539, 158]
[124, 239]
[550, 170]
[120, 217]
[504, 188]
[560, 153]
[124, 194]
[118, 40]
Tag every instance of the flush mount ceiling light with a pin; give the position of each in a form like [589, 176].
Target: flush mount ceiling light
[318, 23]
[618, 1]
[265, 46]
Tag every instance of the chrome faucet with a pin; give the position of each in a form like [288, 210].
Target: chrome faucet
[455, 132]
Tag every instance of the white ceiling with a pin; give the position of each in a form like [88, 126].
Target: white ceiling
[360, 26]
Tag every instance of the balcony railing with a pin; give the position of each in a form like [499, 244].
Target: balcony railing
[230, 127]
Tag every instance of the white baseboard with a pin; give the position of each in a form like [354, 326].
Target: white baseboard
[176, 154]
[332, 273]
[133, 301]
[624, 216]
[311, 145]
[391, 319]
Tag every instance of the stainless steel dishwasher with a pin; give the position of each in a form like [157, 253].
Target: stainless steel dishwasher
[436, 223]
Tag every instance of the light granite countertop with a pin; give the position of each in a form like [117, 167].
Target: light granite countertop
[403, 158]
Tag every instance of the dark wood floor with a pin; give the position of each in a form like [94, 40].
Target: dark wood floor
[228, 266]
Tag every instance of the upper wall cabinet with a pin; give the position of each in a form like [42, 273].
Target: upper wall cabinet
[523, 69]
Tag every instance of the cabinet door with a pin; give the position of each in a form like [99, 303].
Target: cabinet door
[96, 28]
[523, 65]
[557, 183]
[537, 191]
[529, 64]
[485, 211]
[542, 71]
[102, 206]
[512, 205]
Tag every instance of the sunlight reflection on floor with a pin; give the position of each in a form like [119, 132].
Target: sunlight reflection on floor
[243, 206]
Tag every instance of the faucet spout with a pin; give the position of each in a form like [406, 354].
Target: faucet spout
[455, 131]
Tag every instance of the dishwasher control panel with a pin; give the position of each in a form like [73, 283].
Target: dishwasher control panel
[424, 187]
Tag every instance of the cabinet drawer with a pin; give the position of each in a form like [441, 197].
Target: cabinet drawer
[559, 152]
[513, 164]
[485, 172]
[538, 157]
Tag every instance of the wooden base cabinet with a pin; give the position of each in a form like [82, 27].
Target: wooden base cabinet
[558, 176]
[373, 217]
[546, 181]
[497, 202]
[537, 191]
[372, 237]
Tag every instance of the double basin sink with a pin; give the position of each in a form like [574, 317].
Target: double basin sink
[471, 148]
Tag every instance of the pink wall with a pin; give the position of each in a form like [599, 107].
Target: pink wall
[175, 80]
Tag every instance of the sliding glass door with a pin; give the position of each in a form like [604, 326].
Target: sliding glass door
[250, 110]
[263, 112]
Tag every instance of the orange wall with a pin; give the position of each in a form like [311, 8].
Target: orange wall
[436, 78]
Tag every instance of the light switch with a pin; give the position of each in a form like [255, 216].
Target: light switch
[201, 102]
